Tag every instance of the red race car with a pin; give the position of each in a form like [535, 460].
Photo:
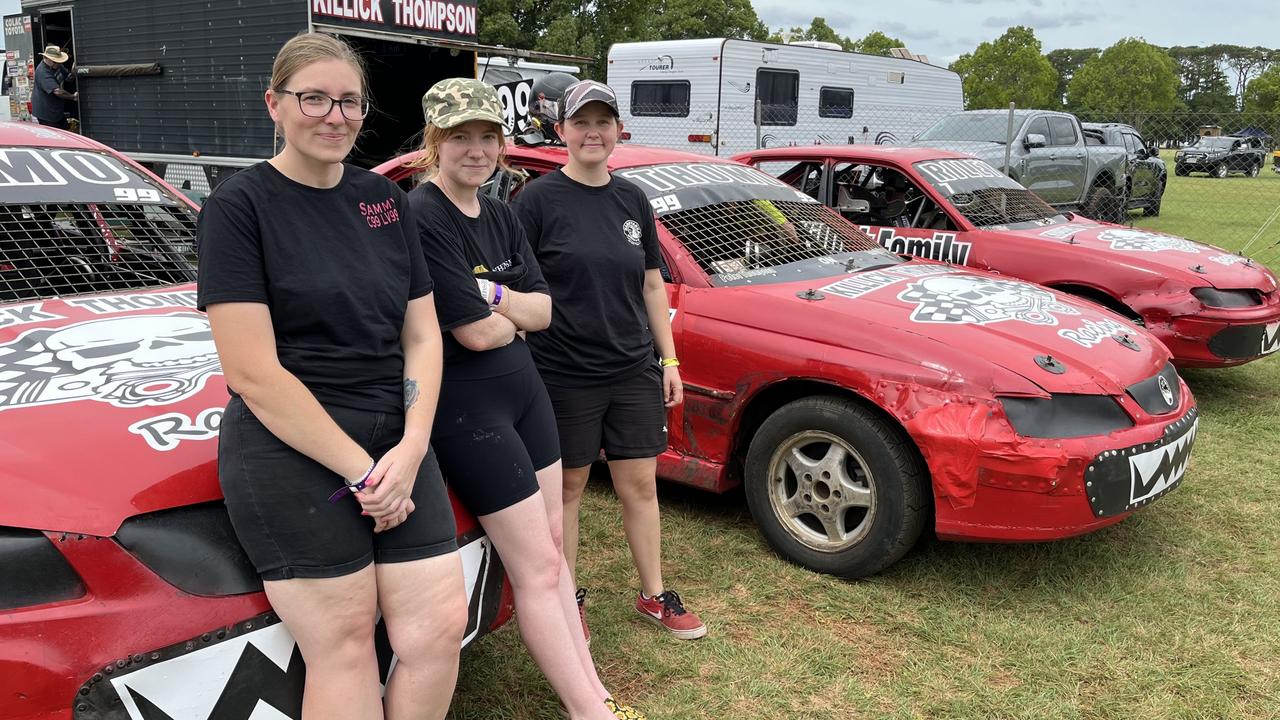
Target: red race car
[125, 594]
[1212, 308]
[859, 395]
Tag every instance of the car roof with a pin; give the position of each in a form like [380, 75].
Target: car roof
[901, 154]
[623, 156]
[25, 134]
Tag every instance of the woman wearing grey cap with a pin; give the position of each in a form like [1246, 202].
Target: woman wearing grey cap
[595, 238]
[495, 431]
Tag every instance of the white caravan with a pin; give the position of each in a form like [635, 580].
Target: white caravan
[723, 96]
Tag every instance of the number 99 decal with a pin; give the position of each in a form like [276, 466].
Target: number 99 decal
[143, 195]
[515, 105]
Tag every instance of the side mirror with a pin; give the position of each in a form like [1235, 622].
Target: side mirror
[1034, 140]
[1141, 153]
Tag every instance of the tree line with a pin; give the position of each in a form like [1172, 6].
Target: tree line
[1132, 78]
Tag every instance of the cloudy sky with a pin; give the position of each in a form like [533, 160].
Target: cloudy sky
[944, 29]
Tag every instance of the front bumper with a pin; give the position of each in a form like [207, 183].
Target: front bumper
[1018, 489]
[1221, 338]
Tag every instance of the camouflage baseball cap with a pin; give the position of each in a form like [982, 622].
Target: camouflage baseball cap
[451, 102]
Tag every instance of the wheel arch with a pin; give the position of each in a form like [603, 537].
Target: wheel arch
[1099, 296]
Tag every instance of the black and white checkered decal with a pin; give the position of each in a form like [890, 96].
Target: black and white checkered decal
[252, 671]
[1140, 241]
[139, 360]
[977, 300]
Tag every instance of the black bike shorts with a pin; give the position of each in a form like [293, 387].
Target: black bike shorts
[492, 434]
[278, 499]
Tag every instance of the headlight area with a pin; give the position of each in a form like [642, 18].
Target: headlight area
[33, 572]
[192, 548]
[1215, 298]
[1065, 416]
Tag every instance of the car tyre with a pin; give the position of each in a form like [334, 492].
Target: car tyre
[1103, 205]
[1180, 171]
[1152, 208]
[1220, 170]
[835, 488]
[1253, 169]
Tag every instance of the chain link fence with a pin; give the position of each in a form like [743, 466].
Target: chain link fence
[1211, 177]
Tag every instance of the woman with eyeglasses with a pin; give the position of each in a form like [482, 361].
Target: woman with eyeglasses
[321, 308]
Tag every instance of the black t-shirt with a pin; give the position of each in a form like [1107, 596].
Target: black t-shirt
[46, 106]
[337, 267]
[459, 249]
[594, 245]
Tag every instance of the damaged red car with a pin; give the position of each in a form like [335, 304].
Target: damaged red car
[124, 594]
[860, 395]
[1211, 307]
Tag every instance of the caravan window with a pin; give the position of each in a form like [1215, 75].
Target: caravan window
[660, 98]
[778, 92]
[835, 102]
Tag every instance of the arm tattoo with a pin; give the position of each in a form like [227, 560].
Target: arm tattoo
[410, 393]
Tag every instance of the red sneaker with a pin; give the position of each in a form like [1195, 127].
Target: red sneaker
[581, 597]
[668, 611]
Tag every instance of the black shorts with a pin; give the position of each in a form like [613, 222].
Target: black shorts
[625, 417]
[278, 499]
[492, 435]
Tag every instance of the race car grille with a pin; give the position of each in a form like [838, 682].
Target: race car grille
[1002, 206]
[73, 249]
[731, 237]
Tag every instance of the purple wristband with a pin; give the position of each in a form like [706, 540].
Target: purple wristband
[497, 295]
[355, 487]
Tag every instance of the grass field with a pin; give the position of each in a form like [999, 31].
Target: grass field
[1174, 613]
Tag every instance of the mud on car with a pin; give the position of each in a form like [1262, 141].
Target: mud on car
[125, 594]
[1211, 307]
[860, 396]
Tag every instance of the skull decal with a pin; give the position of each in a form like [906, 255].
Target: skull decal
[128, 361]
[973, 299]
[1139, 241]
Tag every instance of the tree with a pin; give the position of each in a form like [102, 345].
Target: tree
[1263, 93]
[1204, 87]
[1008, 69]
[682, 19]
[1128, 80]
[1246, 62]
[876, 43]
[1067, 62]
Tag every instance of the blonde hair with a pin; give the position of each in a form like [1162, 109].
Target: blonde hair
[311, 47]
[428, 163]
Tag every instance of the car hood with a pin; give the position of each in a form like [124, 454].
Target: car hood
[960, 324]
[109, 407]
[1169, 256]
[992, 152]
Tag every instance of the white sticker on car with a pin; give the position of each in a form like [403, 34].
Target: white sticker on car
[978, 300]
[1270, 338]
[1155, 471]
[25, 315]
[1139, 241]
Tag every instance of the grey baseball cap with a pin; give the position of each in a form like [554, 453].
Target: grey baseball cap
[577, 95]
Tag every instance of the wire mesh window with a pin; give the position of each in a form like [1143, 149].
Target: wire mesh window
[72, 249]
[736, 236]
[1001, 206]
[660, 98]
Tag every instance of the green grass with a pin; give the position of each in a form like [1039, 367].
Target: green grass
[1173, 613]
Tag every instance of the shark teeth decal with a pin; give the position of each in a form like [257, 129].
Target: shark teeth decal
[1155, 471]
[1270, 338]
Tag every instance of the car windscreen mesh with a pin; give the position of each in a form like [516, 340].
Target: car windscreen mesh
[729, 238]
[71, 249]
[1002, 206]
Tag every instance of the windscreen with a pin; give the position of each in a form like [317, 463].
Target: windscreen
[743, 226]
[1223, 143]
[981, 127]
[74, 222]
[984, 195]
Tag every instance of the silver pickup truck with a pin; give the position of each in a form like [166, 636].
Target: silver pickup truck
[1048, 155]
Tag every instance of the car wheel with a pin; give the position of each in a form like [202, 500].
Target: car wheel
[1180, 171]
[1253, 170]
[1103, 205]
[1220, 171]
[1152, 208]
[835, 488]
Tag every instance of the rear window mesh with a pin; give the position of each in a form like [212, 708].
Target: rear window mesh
[731, 237]
[72, 249]
[1002, 206]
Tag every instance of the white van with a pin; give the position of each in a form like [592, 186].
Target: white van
[723, 96]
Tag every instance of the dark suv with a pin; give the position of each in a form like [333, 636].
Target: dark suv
[1146, 175]
[1220, 156]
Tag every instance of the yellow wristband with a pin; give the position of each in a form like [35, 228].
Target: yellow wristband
[669, 362]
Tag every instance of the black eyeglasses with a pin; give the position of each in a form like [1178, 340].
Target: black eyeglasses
[318, 105]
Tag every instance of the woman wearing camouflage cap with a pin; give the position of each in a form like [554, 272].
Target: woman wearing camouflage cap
[495, 432]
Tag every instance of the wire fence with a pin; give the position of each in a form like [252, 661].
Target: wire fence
[1210, 177]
